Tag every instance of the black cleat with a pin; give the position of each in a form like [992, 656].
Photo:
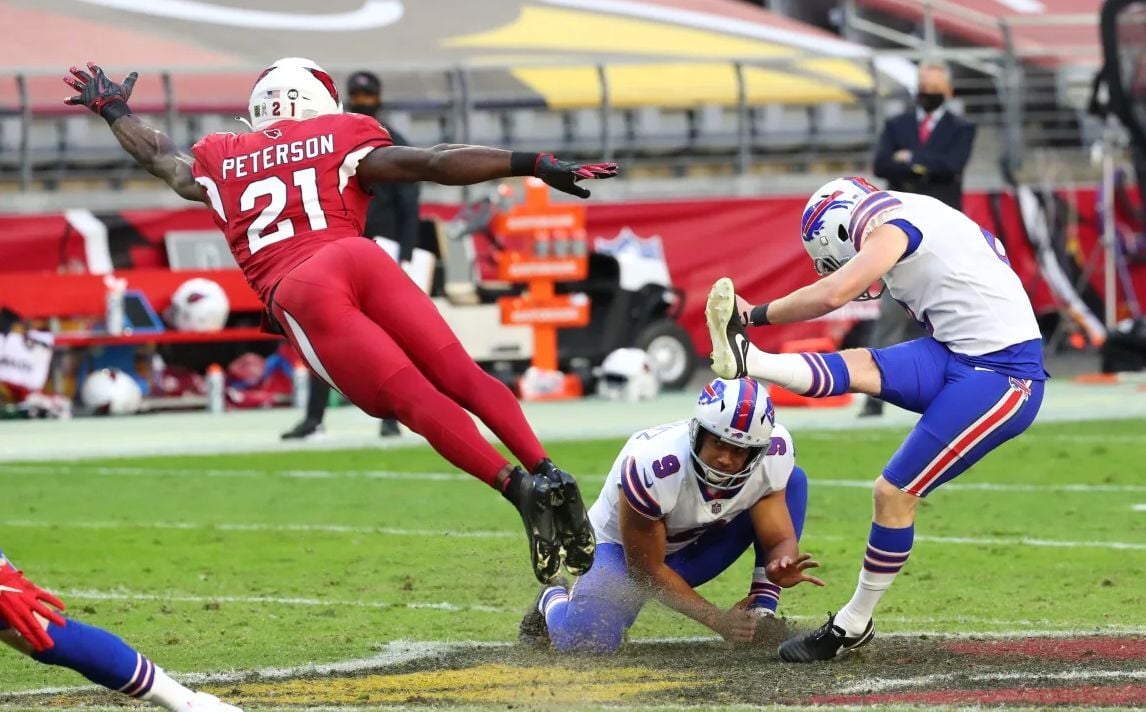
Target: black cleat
[305, 430]
[536, 501]
[872, 407]
[389, 428]
[729, 342]
[534, 631]
[824, 643]
[573, 526]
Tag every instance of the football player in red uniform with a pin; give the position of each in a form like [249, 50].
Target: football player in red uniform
[291, 198]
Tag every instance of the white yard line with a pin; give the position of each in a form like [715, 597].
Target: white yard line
[191, 472]
[124, 595]
[925, 681]
[961, 486]
[499, 534]
[395, 653]
[1022, 627]
[1139, 507]
[257, 527]
[1029, 541]
[403, 651]
[890, 433]
[971, 486]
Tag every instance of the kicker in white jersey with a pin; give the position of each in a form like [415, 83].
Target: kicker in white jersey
[955, 277]
[977, 381]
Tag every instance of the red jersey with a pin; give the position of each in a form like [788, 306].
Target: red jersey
[281, 193]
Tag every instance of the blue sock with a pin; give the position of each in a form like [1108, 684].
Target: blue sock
[887, 552]
[830, 376]
[100, 657]
[887, 549]
[764, 593]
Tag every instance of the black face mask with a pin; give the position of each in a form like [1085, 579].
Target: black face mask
[368, 109]
[930, 101]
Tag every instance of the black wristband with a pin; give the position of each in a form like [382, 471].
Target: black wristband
[759, 315]
[523, 163]
[114, 110]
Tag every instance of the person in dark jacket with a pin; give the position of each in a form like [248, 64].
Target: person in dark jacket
[392, 213]
[923, 150]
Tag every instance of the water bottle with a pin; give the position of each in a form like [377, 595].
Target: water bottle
[158, 367]
[115, 315]
[300, 385]
[216, 389]
[580, 245]
[542, 244]
[561, 244]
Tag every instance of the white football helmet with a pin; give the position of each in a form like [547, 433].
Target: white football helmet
[826, 225]
[199, 305]
[628, 375]
[111, 391]
[292, 89]
[738, 412]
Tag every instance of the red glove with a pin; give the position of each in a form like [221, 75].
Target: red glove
[20, 602]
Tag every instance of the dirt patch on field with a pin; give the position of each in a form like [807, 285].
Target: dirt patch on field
[895, 670]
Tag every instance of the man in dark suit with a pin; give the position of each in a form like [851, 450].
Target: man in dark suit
[392, 213]
[923, 150]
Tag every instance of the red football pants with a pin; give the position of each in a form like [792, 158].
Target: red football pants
[365, 328]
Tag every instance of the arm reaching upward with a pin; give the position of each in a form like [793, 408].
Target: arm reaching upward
[156, 152]
[150, 147]
[455, 164]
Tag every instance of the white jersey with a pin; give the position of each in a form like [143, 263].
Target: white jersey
[655, 474]
[956, 279]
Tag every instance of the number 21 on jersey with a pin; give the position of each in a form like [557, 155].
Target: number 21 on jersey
[306, 182]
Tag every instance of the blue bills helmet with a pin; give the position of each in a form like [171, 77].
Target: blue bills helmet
[738, 412]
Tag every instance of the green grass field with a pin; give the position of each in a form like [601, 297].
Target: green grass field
[217, 563]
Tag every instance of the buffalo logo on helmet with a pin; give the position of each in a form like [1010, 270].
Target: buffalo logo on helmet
[712, 392]
[813, 219]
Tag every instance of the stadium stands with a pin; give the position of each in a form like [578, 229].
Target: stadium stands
[673, 100]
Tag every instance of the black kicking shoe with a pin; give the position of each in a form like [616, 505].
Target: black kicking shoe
[389, 428]
[729, 342]
[573, 526]
[824, 643]
[305, 430]
[872, 407]
[534, 631]
[536, 499]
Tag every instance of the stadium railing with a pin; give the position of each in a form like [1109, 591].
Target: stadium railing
[1018, 102]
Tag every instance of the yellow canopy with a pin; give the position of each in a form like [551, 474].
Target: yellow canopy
[667, 78]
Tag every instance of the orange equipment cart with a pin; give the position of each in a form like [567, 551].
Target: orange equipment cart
[556, 250]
